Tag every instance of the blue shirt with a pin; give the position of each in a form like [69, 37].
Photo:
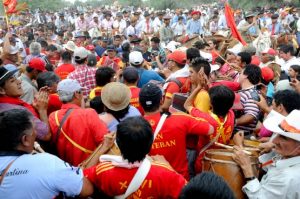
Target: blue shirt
[194, 27]
[100, 50]
[278, 28]
[146, 76]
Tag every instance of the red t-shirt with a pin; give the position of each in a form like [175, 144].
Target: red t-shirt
[83, 127]
[234, 86]
[64, 70]
[161, 181]
[224, 137]
[54, 103]
[134, 101]
[174, 88]
[171, 140]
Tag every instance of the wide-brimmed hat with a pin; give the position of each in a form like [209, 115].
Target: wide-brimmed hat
[70, 45]
[288, 126]
[115, 96]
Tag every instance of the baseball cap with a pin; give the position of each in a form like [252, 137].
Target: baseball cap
[178, 56]
[269, 51]
[80, 53]
[110, 48]
[70, 45]
[267, 75]
[136, 58]
[150, 94]
[130, 74]
[115, 96]
[90, 47]
[67, 88]
[37, 63]
[13, 50]
[6, 74]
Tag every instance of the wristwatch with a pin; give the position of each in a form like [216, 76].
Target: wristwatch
[250, 178]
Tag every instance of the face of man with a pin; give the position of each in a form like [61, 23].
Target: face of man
[154, 45]
[284, 56]
[117, 42]
[12, 87]
[242, 77]
[14, 57]
[264, 58]
[238, 61]
[82, 17]
[111, 54]
[167, 21]
[250, 19]
[211, 44]
[195, 17]
[286, 147]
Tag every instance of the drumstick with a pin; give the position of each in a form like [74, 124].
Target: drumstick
[38, 147]
[230, 147]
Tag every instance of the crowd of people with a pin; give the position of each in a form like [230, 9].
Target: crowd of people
[125, 102]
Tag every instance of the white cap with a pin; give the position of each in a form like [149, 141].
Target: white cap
[236, 49]
[172, 45]
[214, 67]
[13, 49]
[80, 53]
[70, 45]
[136, 58]
[207, 56]
[66, 89]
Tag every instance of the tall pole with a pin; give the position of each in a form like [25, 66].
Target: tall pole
[6, 17]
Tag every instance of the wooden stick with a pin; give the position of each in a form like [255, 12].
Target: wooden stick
[230, 147]
[38, 147]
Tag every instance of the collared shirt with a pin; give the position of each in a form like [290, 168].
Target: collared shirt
[286, 66]
[107, 25]
[178, 29]
[39, 176]
[83, 127]
[93, 24]
[28, 88]
[120, 25]
[85, 76]
[157, 23]
[81, 25]
[282, 181]
[278, 29]
[166, 34]
[147, 26]
[222, 24]
[194, 27]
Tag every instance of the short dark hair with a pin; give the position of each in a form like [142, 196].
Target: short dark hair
[43, 43]
[287, 48]
[134, 138]
[51, 48]
[192, 53]
[29, 69]
[207, 185]
[253, 73]
[220, 60]
[14, 124]
[47, 79]
[245, 57]
[66, 56]
[103, 75]
[97, 104]
[296, 68]
[200, 62]
[155, 40]
[118, 115]
[221, 99]
[289, 99]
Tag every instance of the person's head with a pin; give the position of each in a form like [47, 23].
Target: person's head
[111, 51]
[150, 97]
[66, 57]
[49, 79]
[155, 43]
[287, 128]
[134, 138]
[9, 85]
[17, 130]
[230, 56]
[250, 19]
[192, 53]
[207, 185]
[136, 59]
[220, 61]
[104, 75]
[195, 15]
[117, 40]
[180, 19]
[294, 70]
[268, 55]
[35, 67]
[221, 99]
[35, 48]
[251, 75]
[51, 50]
[144, 45]
[81, 16]
[70, 91]
[116, 98]
[80, 55]
[286, 52]
[91, 60]
[130, 76]
[212, 44]
[274, 18]
[243, 58]
[196, 65]
[97, 105]
[167, 20]
[285, 101]
[176, 60]
[104, 42]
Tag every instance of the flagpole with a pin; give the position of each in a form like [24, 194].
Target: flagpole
[6, 17]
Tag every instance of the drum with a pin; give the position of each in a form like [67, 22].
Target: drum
[250, 145]
[220, 162]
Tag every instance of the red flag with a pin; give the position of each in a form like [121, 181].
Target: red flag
[10, 6]
[231, 24]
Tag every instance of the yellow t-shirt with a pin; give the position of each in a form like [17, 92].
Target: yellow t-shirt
[95, 92]
[202, 101]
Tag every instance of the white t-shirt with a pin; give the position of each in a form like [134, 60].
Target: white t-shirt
[39, 176]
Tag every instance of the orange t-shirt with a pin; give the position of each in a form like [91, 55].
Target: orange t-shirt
[64, 70]
[83, 127]
[174, 88]
[134, 101]
[161, 181]
[171, 140]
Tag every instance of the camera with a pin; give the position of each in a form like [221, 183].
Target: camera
[154, 53]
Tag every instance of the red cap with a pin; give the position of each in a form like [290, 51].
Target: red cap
[269, 51]
[37, 63]
[178, 56]
[255, 60]
[90, 47]
[196, 12]
[267, 74]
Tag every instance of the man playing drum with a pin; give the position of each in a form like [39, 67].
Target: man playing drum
[283, 178]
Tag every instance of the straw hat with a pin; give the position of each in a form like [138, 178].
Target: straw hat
[115, 96]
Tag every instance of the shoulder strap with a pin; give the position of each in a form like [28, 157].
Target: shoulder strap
[159, 125]
[6, 170]
[61, 123]
[137, 179]
[176, 81]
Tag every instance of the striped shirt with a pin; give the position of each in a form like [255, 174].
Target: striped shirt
[250, 108]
